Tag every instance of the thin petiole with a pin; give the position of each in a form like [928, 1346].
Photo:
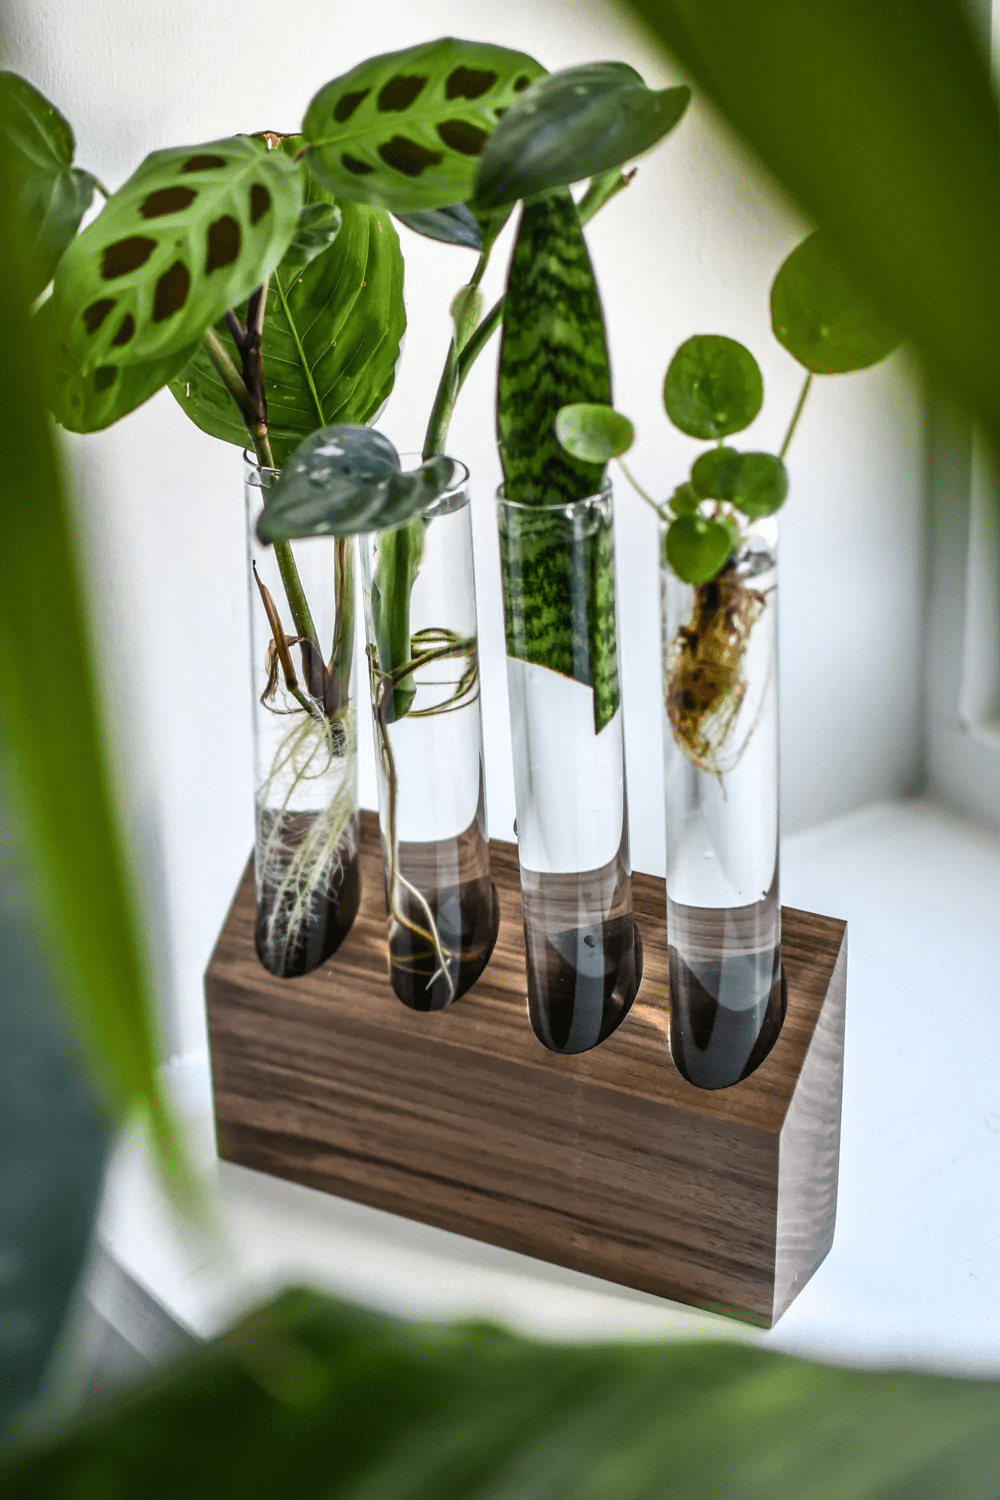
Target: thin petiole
[639, 489]
[796, 414]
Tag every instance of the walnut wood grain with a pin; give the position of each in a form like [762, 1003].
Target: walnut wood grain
[608, 1162]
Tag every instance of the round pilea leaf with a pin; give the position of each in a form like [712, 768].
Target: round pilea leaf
[593, 433]
[713, 474]
[190, 235]
[713, 387]
[405, 130]
[823, 316]
[698, 548]
[761, 484]
[684, 501]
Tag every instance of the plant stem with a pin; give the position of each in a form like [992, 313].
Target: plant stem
[640, 491]
[796, 414]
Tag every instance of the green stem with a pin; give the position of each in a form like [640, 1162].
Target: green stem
[796, 414]
[640, 491]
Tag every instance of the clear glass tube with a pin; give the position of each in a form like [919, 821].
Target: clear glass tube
[305, 742]
[720, 686]
[420, 619]
[583, 950]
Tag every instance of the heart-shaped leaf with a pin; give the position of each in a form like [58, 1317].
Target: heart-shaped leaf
[574, 124]
[347, 479]
[593, 432]
[713, 387]
[698, 548]
[89, 400]
[823, 316]
[331, 340]
[191, 234]
[761, 484]
[51, 195]
[454, 225]
[405, 130]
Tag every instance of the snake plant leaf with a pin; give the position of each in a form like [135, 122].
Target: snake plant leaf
[558, 573]
[454, 225]
[405, 130]
[594, 433]
[713, 387]
[192, 233]
[760, 486]
[698, 548]
[347, 479]
[331, 340]
[581, 122]
[822, 315]
[89, 400]
[51, 195]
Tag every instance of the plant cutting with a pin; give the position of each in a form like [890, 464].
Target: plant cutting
[718, 579]
[226, 272]
[446, 136]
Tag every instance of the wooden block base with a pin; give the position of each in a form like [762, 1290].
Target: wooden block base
[608, 1162]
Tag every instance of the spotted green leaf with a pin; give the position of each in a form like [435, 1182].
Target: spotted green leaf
[405, 130]
[698, 548]
[822, 315]
[50, 194]
[581, 122]
[593, 432]
[190, 234]
[713, 387]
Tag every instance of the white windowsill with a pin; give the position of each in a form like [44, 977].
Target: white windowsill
[914, 1273]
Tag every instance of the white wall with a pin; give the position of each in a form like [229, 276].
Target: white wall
[691, 247]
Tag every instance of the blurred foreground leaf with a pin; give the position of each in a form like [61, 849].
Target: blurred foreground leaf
[311, 1399]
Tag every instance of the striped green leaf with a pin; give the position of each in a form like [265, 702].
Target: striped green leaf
[190, 234]
[331, 339]
[50, 194]
[558, 574]
[405, 130]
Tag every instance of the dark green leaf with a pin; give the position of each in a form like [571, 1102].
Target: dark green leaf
[454, 225]
[714, 474]
[574, 124]
[684, 501]
[51, 195]
[881, 120]
[191, 233]
[698, 548]
[594, 433]
[823, 316]
[308, 1399]
[317, 228]
[760, 486]
[347, 479]
[405, 130]
[331, 340]
[713, 387]
[88, 401]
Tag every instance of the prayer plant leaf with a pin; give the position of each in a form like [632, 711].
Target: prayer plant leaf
[87, 401]
[192, 233]
[51, 196]
[822, 315]
[331, 339]
[317, 227]
[698, 548]
[454, 225]
[579, 123]
[713, 387]
[347, 479]
[594, 433]
[405, 130]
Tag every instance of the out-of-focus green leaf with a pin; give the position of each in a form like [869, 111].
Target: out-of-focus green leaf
[761, 485]
[331, 338]
[713, 474]
[454, 225]
[821, 314]
[684, 501]
[316, 1401]
[881, 120]
[594, 433]
[405, 130]
[52, 743]
[466, 309]
[578, 123]
[192, 233]
[51, 195]
[347, 479]
[713, 387]
[697, 547]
